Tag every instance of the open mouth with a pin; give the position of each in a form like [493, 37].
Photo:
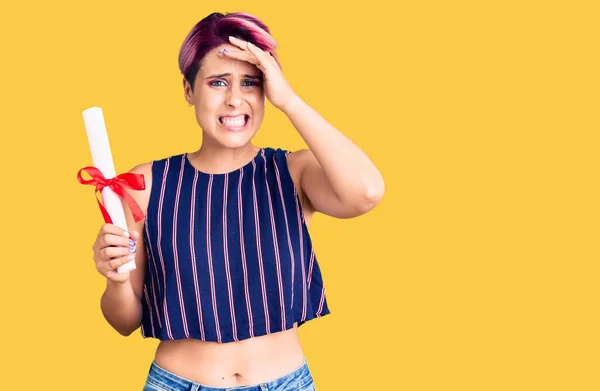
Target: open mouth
[238, 121]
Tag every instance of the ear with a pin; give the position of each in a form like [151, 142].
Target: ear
[187, 91]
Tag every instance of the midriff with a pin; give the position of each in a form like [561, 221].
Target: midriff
[239, 363]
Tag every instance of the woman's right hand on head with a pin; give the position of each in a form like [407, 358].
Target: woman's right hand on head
[112, 249]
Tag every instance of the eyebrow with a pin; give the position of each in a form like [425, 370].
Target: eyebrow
[257, 77]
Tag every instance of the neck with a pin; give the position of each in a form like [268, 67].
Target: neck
[218, 159]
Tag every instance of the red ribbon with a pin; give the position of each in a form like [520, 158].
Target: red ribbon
[117, 184]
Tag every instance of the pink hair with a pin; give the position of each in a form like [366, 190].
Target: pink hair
[213, 31]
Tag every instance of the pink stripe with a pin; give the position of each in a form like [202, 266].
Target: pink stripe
[275, 247]
[176, 252]
[149, 305]
[310, 267]
[154, 292]
[258, 248]
[321, 302]
[210, 261]
[154, 295]
[243, 253]
[193, 257]
[158, 240]
[300, 221]
[226, 257]
[287, 229]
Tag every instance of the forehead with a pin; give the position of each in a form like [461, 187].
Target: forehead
[213, 64]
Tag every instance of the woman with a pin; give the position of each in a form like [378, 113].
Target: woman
[225, 267]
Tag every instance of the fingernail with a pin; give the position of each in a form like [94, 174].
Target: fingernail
[132, 250]
[226, 50]
[250, 44]
[221, 51]
[230, 37]
[131, 243]
[130, 257]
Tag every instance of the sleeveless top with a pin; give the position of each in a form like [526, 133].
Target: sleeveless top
[229, 255]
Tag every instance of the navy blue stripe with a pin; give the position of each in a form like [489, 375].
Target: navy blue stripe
[154, 283]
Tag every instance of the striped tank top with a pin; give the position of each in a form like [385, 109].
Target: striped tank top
[229, 255]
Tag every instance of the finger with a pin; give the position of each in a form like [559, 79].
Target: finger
[109, 240]
[134, 235]
[241, 55]
[108, 253]
[258, 52]
[240, 43]
[113, 264]
[108, 228]
[263, 56]
[248, 46]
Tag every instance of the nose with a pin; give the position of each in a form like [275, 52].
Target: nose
[234, 97]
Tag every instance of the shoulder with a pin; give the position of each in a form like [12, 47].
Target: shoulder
[297, 161]
[142, 197]
[147, 169]
[144, 169]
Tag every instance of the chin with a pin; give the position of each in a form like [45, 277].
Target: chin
[231, 140]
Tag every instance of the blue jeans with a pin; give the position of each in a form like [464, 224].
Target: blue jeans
[159, 379]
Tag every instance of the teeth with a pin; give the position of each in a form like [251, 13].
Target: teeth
[234, 121]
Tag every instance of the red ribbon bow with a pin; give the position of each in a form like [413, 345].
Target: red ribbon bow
[117, 184]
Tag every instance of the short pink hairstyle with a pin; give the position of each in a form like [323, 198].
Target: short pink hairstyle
[213, 31]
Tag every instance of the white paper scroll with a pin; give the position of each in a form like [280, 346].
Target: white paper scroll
[103, 161]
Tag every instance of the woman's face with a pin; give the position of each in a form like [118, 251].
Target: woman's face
[228, 98]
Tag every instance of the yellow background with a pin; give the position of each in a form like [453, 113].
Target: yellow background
[479, 269]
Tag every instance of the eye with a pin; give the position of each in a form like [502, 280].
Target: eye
[215, 83]
[250, 83]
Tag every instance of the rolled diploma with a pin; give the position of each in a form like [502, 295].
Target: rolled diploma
[102, 158]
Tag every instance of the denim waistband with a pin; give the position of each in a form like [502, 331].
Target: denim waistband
[295, 380]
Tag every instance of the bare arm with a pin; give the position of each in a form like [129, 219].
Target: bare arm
[121, 308]
[121, 303]
[337, 177]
